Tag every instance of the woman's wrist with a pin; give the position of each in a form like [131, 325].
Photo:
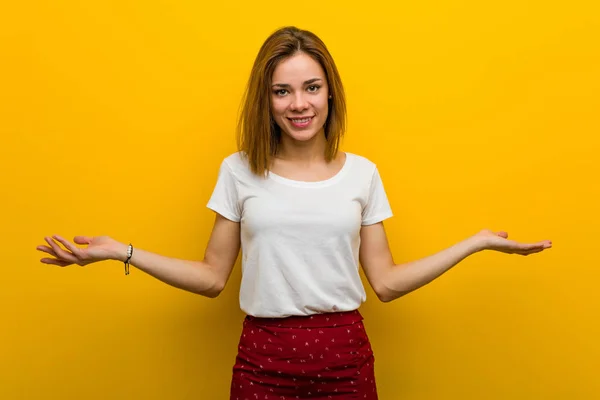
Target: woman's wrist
[119, 252]
[477, 243]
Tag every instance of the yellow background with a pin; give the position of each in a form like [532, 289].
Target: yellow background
[115, 115]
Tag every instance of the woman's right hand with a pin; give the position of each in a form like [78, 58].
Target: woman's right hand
[99, 248]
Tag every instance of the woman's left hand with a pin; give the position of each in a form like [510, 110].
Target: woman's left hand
[499, 241]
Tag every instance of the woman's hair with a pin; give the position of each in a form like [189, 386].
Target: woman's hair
[258, 133]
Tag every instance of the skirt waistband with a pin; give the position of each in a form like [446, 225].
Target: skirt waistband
[309, 321]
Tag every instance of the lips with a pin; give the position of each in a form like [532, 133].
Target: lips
[301, 120]
[301, 123]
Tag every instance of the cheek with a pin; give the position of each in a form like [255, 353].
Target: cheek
[278, 107]
[323, 107]
[321, 102]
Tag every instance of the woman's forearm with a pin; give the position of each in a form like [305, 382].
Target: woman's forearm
[404, 278]
[192, 276]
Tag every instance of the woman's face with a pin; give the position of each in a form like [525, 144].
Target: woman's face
[299, 97]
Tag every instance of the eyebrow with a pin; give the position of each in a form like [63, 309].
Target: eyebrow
[308, 82]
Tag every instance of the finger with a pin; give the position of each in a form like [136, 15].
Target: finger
[531, 251]
[526, 253]
[46, 249]
[82, 239]
[542, 243]
[70, 246]
[54, 261]
[60, 253]
[529, 246]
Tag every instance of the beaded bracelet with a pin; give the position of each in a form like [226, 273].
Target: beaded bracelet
[129, 254]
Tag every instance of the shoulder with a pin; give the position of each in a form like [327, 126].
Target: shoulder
[237, 165]
[357, 158]
[361, 163]
[234, 160]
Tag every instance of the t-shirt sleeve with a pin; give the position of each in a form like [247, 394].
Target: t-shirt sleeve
[224, 199]
[377, 207]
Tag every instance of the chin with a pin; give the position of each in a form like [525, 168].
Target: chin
[301, 135]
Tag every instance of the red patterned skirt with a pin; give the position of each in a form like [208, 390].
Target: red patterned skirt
[323, 356]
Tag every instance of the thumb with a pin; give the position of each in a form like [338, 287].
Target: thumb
[502, 234]
[82, 239]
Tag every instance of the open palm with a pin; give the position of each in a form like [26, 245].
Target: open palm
[98, 248]
[499, 241]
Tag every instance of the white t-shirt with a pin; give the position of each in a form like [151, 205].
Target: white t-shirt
[300, 240]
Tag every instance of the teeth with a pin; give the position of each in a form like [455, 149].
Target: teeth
[300, 121]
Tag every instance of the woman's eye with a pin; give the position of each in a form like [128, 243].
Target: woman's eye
[280, 92]
[313, 88]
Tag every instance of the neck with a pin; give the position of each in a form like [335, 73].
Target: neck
[302, 151]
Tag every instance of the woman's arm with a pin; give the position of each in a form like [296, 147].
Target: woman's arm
[391, 281]
[207, 277]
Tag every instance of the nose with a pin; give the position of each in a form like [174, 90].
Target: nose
[299, 102]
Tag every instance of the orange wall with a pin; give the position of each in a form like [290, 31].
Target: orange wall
[114, 117]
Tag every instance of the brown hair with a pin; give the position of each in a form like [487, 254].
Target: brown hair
[258, 133]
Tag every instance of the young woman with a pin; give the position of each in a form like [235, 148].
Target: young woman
[304, 214]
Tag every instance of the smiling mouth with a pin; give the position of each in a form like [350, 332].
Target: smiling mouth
[300, 120]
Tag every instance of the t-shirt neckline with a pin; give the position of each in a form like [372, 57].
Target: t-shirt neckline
[327, 182]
